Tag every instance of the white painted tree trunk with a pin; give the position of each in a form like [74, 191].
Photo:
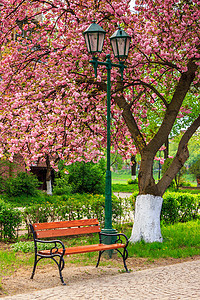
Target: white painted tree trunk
[147, 219]
[49, 187]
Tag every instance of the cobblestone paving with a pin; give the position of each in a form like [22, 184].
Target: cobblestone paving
[179, 281]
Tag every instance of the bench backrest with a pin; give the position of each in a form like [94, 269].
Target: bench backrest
[65, 228]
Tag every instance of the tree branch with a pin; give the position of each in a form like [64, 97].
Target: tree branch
[173, 108]
[151, 87]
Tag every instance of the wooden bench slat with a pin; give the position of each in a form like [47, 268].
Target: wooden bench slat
[84, 249]
[67, 231]
[64, 224]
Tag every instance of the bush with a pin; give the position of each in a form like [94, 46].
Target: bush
[195, 170]
[177, 206]
[131, 181]
[39, 213]
[61, 185]
[73, 207]
[177, 181]
[169, 212]
[180, 207]
[27, 247]
[2, 184]
[22, 184]
[10, 219]
[87, 177]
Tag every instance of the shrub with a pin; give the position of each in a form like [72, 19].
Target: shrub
[195, 170]
[169, 212]
[124, 172]
[177, 181]
[61, 185]
[87, 177]
[2, 184]
[73, 207]
[10, 219]
[28, 246]
[131, 181]
[176, 207]
[40, 213]
[180, 207]
[22, 184]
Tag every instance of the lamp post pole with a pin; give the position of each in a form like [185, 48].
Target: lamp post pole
[108, 190]
[120, 41]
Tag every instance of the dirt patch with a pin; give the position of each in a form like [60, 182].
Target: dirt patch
[47, 276]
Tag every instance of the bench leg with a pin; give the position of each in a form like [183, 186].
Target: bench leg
[100, 252]
[35, 264]
[61, 267]
[61, 278]
[125, 256]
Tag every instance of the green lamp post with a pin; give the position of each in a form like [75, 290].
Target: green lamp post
[94, 37]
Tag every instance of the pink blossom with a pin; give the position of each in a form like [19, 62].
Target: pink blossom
[52, 104]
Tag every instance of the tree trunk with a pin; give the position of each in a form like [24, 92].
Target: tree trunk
[48, 176]
[49, 187]
[166, 151]
[147, 219]
[133, 167]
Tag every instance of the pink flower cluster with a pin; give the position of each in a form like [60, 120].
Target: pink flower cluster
[51, 104]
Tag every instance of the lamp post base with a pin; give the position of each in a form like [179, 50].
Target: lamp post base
[108, 239]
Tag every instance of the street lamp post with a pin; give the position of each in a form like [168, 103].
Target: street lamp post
[94, 36]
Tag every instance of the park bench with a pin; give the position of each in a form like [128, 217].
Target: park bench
[57, 250]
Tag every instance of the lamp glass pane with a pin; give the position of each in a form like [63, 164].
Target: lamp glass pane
[121, 42]
[87, 43]
[114, 46]
[127, 45]
[101, 40]
[93, 39]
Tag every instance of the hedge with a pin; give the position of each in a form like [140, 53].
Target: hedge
[76, 206]
[180, 207]
[10, 220]
[177, 207]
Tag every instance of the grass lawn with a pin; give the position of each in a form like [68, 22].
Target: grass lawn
[119, 184]
[124, 188]
[179, 241]
[120, 178]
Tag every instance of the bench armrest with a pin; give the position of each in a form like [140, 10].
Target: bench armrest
[119, 237]
[54, 249]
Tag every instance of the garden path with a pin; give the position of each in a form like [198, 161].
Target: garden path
[178, 281]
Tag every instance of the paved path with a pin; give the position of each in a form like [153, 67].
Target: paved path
[179, 281]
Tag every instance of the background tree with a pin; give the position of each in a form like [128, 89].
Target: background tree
[194, 149]
[195, 170]
[51, 94]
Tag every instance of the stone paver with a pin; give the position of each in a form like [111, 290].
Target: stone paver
[179, 281]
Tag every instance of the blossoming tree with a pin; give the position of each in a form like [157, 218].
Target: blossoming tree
[53, 107]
